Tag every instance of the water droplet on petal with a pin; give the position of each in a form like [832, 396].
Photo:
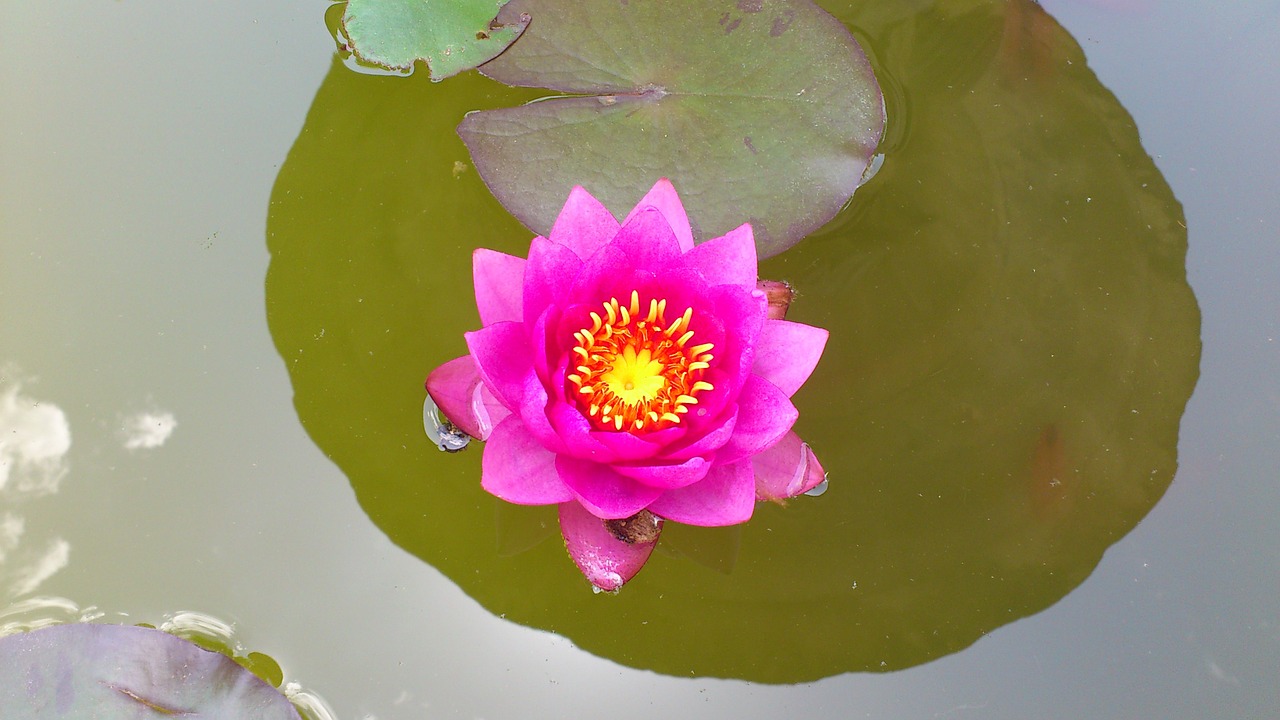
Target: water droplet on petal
[818, 489]
[447, 436]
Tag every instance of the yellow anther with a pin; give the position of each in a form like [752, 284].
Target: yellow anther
[632, 372]
[703, 386]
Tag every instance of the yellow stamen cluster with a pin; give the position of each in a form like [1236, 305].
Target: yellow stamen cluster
[637, 372]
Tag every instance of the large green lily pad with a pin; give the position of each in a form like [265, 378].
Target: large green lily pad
[117, 672]
[764, 111]
[1013, 341]
[448, 35]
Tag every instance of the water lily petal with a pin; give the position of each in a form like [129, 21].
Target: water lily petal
[584, 225]
[787, 352]
[627, 447]
[460, 394]
[765, 414]
[663, 197]
[667, 477]
[786, 470]
[534, 415]
[604, 492]
[727, 260]
[549, 275]
[647, 240]
[726, 496]
[499, 282]
[715, 437]
[743, 314]
[606, 561]
[577, 433]
[518, 469]
[502, 357]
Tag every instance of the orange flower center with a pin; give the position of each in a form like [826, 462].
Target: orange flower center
[638, 372]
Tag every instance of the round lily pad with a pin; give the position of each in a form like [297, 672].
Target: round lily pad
[1013, 341]
[764, 112]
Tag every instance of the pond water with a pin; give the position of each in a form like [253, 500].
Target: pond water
[1048, 409]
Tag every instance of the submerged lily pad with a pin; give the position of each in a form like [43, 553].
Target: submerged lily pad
[1013, 341]
[764, 111]
[120, 672]
[448, 35]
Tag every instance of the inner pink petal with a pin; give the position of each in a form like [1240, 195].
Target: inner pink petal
[604, 492]
[584, 225]
[663, 197]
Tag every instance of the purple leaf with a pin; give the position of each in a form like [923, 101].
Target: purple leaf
[119, 672]
[766, 112]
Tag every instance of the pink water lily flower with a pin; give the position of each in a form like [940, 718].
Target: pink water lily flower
[631, 377]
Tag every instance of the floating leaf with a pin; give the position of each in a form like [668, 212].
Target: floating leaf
[1013, 342]
[120, 672]
[448, 35]
[766, 111]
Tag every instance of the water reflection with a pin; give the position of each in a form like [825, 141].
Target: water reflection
[1013, 343]
[147, 430]
[34, 440]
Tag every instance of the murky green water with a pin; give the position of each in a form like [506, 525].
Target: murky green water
[227, 263]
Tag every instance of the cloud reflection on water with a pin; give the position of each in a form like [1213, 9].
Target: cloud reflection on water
[35, 438]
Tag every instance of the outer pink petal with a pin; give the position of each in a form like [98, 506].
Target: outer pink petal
[606, 561]
[458, 391]
[663, 196]
[516, 468]
[549, 275]
[765, 414]
[584, 225]
[667, 477]
[786, 470]
[787, 352]
[502, 357]
[727, 260]
[604, 492]
[727, 496]
[499, 281]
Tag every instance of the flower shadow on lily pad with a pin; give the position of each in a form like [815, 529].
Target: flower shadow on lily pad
[1012, 344]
